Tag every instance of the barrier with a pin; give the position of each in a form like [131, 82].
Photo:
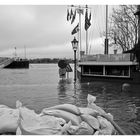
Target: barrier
[63, 119]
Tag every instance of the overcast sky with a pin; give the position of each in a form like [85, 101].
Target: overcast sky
[44, 30]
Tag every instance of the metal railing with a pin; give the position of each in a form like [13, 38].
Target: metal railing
[108, 57]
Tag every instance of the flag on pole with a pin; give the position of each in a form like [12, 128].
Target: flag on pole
[68, 15]
[71, 14]
[73, 17]
[80, 11]
[75, 30]
[87, 20]
[90, 16]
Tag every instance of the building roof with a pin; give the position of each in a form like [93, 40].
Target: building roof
[125, 63]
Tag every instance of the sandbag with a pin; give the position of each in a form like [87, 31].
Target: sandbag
[46, 119]
[42, 131]
[35, 124]
[3, 106]
[39, 131]
[89, 111]
[84, 129]
[97, 132]
[29, 117]
[8, 119]
[106, 128]
[91, 99]
[73, 129]
[67, 116]
[66, 107]
[91, 121]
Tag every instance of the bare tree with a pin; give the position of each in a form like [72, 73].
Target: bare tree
[123, 30]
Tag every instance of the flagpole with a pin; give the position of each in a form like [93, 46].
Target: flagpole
[86, 42]
[106, 39]
[80, 43]
[86, 36]
[78, 50]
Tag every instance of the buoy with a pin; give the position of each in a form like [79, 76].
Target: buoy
[126, 87]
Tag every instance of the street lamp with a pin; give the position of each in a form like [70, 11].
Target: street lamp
[74, 43]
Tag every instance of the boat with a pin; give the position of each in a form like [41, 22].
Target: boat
[17, 63]
[14, 63]
[124, 67]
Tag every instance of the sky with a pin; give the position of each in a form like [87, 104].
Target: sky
[41, 29]
[44, 31]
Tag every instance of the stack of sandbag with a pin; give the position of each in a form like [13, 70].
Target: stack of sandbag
[65, 119]
[84, 121]
[72, 115]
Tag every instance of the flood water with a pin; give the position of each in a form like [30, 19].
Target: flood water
[40, 86]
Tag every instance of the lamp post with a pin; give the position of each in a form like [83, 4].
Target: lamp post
[74, 43]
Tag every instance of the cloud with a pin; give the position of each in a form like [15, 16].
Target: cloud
[44, 31]
[52, 51]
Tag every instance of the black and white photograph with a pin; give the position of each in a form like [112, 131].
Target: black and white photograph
[69, 69]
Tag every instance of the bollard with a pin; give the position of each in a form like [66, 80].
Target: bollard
[126, 87]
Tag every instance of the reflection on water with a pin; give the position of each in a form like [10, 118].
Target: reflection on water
[40, 87]
[63, 87]
[67, 92]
